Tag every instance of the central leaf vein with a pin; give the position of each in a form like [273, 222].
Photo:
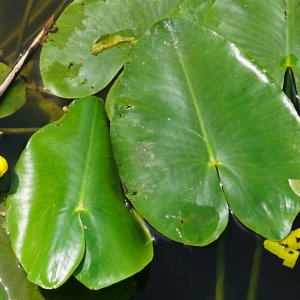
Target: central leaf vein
[205, 137]
[88, 162]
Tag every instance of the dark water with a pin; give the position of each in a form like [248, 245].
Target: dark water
[235, 267]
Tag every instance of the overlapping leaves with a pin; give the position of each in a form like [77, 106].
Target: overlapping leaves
[196, 108]
[67, 65]
[189, 112]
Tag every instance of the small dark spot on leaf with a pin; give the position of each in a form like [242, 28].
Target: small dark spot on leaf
[298, 240]
[92, 87]
[68, 27]
[127, 106]
[291, 252]
[244, 89]
[120, 165]
[70, 65]
[181, 221]
[57, 125]
[133, 193]
[66, 13]
[82, 3]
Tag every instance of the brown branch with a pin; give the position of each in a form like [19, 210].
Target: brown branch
[26, 56]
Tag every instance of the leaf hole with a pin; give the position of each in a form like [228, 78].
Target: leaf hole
[128, 106]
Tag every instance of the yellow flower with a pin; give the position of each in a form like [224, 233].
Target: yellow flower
[3, 166]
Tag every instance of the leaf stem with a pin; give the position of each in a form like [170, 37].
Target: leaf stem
[254, 279]
[4, 131]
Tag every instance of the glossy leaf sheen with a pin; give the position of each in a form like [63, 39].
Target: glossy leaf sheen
[67, 65]
[67, 211]
[268, 30]
[14, 97]
[197, 102]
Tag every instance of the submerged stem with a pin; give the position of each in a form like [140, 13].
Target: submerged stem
[220, 270]
[24, 26]
[4, 131]
[254, 279]
[25, 57]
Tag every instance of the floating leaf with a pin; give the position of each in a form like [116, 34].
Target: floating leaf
[14, 97]
[67, 65]
[192, 107]
[289, 256]
[286, 249]
[66, 208]
[272, 38]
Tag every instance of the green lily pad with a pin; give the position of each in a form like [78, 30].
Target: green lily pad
[272, 38]
[192, 107]
[68, 67]
[14, 97]
[66, 209]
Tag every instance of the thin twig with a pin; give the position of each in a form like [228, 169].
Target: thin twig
[25, 57]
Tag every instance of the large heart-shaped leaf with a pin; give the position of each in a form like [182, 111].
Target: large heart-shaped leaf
[191, 105]
[14, 97]
[67, 65]
[67, 212]
[268, 30]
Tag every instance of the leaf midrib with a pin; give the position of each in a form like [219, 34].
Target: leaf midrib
[206, 136]
[87, 164]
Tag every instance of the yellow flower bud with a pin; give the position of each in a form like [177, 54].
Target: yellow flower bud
[3, 166]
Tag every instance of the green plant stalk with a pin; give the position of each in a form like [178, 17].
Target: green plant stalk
[254, 279]
[23, 26]
[4, 131]
[220, 268]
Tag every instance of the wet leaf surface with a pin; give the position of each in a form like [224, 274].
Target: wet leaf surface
[66, 208]
[14, 97]
[178, 125]
[67, 64]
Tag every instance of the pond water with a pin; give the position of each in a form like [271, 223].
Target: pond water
[234, 267]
